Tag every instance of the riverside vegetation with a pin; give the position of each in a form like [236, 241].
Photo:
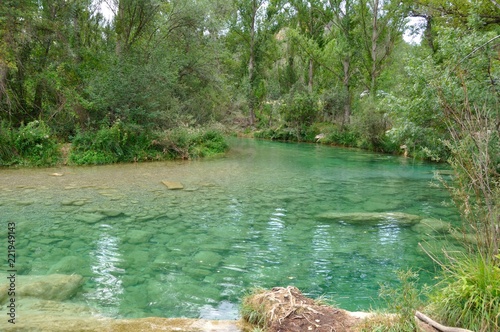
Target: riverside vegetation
[150, 81]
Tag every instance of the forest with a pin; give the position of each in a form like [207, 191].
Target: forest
[125, 80]
[106, 81]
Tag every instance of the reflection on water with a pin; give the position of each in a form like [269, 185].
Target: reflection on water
[247, 220]
[105, 259]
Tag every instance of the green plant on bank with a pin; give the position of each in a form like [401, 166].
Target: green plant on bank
[402, 302]
[189, 143]
[468, 294]
[119, 143]
[32, 144]
[255, 315]
[116, 143]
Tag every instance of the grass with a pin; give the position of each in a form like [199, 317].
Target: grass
[468, 294]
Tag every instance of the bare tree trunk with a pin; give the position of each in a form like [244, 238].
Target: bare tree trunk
[251, 65]
[119, 19]
[374, 49]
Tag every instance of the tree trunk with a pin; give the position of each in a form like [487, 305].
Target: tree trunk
[251, 66]
[119, 28]
[374, 49]
[311, 76]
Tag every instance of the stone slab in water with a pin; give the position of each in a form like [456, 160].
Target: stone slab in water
[173, 185]
[372, 217]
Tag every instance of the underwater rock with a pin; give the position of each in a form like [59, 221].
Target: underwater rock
[110, 212]
[432, 226]
[208, 258]
[73, 202]
[172, 185]
[136, 236]
[68, 264]
[90, 218]
[400, 218]
[57, 287]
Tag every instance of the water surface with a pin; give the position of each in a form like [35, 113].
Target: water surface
[250, 219]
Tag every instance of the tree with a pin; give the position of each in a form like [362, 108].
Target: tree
[343, 45]
[381, 24]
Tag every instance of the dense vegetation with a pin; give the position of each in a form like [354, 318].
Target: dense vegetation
[155, 78]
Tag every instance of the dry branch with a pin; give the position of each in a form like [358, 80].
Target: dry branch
[438, 326]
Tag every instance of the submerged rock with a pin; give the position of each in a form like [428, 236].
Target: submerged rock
[371, 217]
[208, 258]
[110, 212]
[58, 287]
[90, 218]
[68, 264]
[432, 226]
[137, 236]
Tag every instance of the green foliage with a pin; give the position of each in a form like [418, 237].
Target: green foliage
[186, 143]
[370, 124]
[7, 150]
[35, 145]
[117, 143]
[301, 109]
[468, 294]
[403, 301]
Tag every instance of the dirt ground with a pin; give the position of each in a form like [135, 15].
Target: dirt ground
[288, 310]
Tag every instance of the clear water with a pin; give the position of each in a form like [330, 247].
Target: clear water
[246, 220]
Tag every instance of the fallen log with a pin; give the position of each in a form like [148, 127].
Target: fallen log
[438, 326]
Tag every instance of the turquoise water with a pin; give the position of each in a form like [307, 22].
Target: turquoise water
[250, 219]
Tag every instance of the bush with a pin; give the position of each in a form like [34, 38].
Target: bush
[300, 111]
[35, 146]
[187, 143]
[112, 144]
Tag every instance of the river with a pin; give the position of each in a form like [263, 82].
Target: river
[266, 214]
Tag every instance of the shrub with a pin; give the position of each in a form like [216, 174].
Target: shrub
[300, 111]
[35, 145]
[188, 143]
[117, 143]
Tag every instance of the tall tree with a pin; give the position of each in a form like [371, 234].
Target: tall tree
[345, 42]
[382, 23]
